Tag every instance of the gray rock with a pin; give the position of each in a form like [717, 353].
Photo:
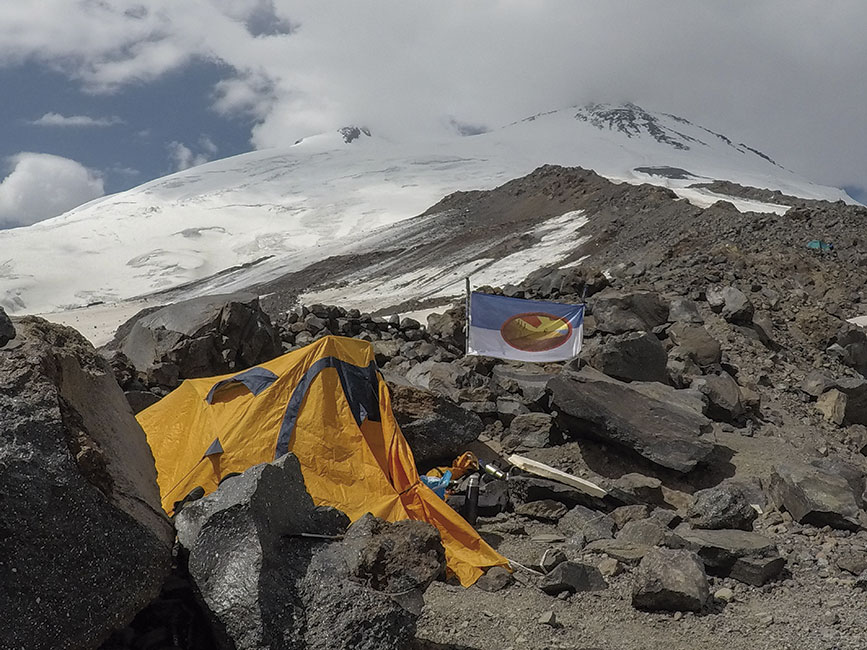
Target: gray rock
[853, 560]
[815, 496]
[591, 524]
[637, 489]
[203, 336]
[526, 489]
[7, 329]
[723, 395]
[721, 550]
[530, 379]
[260, 580]
[634, 356]
[618, 313]
[681, 367]
[832, 405]
[855, 390]
[670, 580]
[572, 577]
[532, 430]
[816, 382]
[649, 532]
[625, 514]
[436, 429]
[439, 377]
[546, 509]
[495, 579]
[723, 506]
[551, 558]
[385, 350]
[623, 551]
[696, 340]
[86, 544]
[139, 400]
[665, 433]
[851, 472]
[732, 303]
[682, 310]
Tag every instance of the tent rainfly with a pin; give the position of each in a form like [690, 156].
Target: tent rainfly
[326, 403]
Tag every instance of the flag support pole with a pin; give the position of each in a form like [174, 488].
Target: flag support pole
[467, 317]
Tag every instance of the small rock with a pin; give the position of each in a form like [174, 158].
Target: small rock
[548, 618]
[724, 594]
[723, 506]
[572, 577]
[552, 558]
[609, 567]
[546, 509]
[496, 579]
[670, 580]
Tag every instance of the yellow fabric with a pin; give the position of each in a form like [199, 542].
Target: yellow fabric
[357, 469]
[466, 462]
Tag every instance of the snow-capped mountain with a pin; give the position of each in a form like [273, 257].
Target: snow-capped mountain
[277, 211]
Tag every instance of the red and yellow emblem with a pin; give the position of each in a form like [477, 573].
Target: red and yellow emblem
[536, 331]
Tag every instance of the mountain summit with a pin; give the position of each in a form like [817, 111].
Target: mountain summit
[277, 211]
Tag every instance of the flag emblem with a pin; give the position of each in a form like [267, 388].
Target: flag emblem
[524, 330]
[536, 331]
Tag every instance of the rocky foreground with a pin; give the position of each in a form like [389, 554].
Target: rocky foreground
[720, 401]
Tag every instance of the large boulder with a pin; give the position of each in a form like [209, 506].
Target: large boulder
[664, 432]
[85, 543]
[635, 356]
[670, 580]
[815, 495]
[200, 337]
[265, 582]
[435, 428]
[618, 313]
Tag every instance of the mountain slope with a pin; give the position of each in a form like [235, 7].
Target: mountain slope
[278, 211]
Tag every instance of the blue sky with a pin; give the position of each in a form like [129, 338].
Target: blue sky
[134, 144]
[125, 91]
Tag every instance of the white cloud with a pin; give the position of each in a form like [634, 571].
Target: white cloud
[56, 119]
[182, 157]
[41, 186]
[784, 76]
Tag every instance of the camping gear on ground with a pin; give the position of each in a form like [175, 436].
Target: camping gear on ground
[472, 506]
[466, 462]
[819, 245]
[438, 484]
[523, 330]
[326, 403]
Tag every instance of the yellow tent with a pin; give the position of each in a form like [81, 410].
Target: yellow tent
[326, 403]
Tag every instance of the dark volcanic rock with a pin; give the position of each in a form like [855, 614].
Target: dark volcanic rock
[664, 433]
[754, 555]
[697, 341]
[532, 430]
[7, 329]
[435, 428]
[813, 495]
[723, 506]
[635, 356]
[618, 313]
[723, 395]
[495, 579]
[590, 524]
[85, 543]
[670, 580]
[572, 577]
[201, 337]
[262, 581]
[732, 303]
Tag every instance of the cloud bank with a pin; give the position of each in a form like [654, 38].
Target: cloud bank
[784, 76]
[41, 186]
